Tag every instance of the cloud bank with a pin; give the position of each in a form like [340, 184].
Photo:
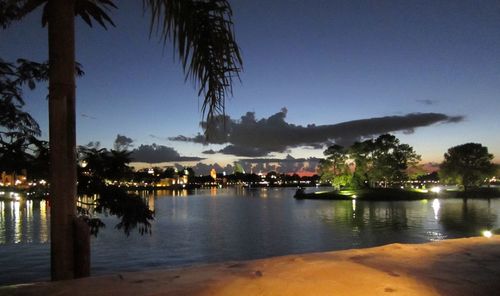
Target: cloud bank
[122, 142]
[287, 165]
[250, 137]
[158, 153]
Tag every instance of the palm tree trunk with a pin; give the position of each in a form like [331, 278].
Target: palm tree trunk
[62, 137]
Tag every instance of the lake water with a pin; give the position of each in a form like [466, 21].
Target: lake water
[206, 226]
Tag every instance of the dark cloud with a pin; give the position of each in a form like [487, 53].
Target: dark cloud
[158, 153]
[244, 151]
[87, 116]
[211, 151]
[252, 138]
[427, 102]
[181, 138]
[455, 119]
[122, 142]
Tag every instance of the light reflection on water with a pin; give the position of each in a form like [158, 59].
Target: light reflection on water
[436, 205]
[23, 222]
[2, 222]
[238, 224]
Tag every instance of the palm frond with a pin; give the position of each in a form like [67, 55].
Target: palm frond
[95, 9]
[202, 32]
[13, 10]
[88, 10]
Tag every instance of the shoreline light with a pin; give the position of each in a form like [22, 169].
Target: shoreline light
[436, 189]
[487, 233]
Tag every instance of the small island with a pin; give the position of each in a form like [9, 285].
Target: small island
[385, 169]
[393, 194]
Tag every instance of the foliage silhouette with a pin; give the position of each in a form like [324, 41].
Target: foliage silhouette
[132, 211]
[376, 161]
[467, 164]
[335, 168]
[202, 33]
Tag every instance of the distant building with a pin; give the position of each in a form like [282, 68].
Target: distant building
[177, 180]
[14, 180]
[167, 182]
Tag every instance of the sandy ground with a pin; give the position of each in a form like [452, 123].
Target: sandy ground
[469, 266]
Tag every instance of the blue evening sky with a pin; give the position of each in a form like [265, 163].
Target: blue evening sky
[325, 61]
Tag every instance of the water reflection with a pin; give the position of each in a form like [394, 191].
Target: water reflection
[410, 221]
[436, 205]
[469, 216]
[213, 191]
[2, 222]
[182, 192]
[24, 221]
[202, 226]
[16, 213]
[435, 236]
[361, 214]
[44, 221]
[87, 202]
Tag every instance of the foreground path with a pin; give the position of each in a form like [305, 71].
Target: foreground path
[469, 266]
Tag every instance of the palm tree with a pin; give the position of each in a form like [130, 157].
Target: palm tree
[117, 164]
[202, 33]
[94, 157]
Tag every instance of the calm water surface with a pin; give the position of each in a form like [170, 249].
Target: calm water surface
[238, 224]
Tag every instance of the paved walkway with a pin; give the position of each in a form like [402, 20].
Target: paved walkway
[468, 266]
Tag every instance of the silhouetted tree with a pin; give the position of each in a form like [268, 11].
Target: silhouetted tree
[169, 172]
[434, 176]
[392, 159]
[335, 168]
[202, 32]
[272, 177]
[362, 155]
[382, 160]
[18, 129]
[93, 158]
[103, 163]
[38, 168]
[117, 165]
[189, 172]
[467, 165]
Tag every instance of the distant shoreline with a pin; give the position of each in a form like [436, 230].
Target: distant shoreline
[373, 194]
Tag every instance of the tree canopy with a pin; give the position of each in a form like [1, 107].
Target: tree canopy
[18, 129]
[467, 165]
[376, 162]
[335, 168]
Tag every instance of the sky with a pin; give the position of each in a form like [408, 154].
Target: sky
[314, 73]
